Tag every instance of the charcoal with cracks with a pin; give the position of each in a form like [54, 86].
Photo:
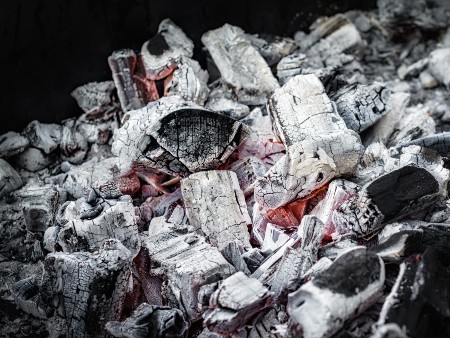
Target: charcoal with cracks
[95, 98]
[9, 178]
[45, 137]
[272, 49]
[175, 136]
[74, 145]
[87, 289]
[361, 106]
[236, 301]
[12, 143]
[150, 321]
[251, 82]
[215, 205]
[231, 108]
[351, 284]
[182, 263]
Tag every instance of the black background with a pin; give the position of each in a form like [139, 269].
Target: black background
[49, 47]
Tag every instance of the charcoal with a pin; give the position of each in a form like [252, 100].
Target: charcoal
[26, 296]
[349, 286]
[268, 325]
[290, 66]
[274, 237]
[12, 143]
[233, 254]
[123, 65]
[385, 199]
[237, 299]
[185, 262]
[334, 249]
[215, 205]
[251, 81]
[117, 221]
[74, 146]
[50, 239]
[87, 289]
[247, 171]
[94, 98]
[392, 228]
[176, 137]
[427, 80]
[230, 108]
[361, 106]
[45, 137]
[33, 160]
[10, 179]
[253, 258]
[412, 70]
[296, 262]
[321, 265]
[150, 321]
[390, 330]
[263, 145]
[188, 81]
[161, 53]
[399, 246]
[439, 64]
[272, 49]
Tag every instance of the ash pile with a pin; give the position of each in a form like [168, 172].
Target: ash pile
[298, 187]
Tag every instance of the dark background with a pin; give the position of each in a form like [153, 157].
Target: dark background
[49, 47]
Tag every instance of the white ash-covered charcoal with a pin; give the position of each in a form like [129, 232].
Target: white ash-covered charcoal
[231, 108]
[296, 262]
[272, 325]
[233, 254]
[33, 160]
[40, 204]
[348, 287]
[387, 198]
[9, 178]
[384, 128]
[334, 249]
[12, 143]
[241, 66]
[247, 170]
[237, 299]
[161, 53]
[272, 49]
[123, 65]
[274, 237]
[117, 221]
[338, 191]
[439, 142]
[392, 228]
[26, 296]
[390, 330]
[439, 64]
[150, 321]
[413, 70]
[290, 66]
[361, 106]
[74, 145]
[254, 258]
[50, 240]
[43, 136]
[399, 246]
[87, 289]
[184, 262]
[263, 144]
[177, 137]
[427, 80]
[94, 98]
[215, 205]
[321, 265]
[188, 81]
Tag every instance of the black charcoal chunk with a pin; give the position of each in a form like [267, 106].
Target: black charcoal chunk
[399, 246]
[10, 180]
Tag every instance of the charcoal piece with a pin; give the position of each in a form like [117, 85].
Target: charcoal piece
[43, 136]
[439, 64]
[268, 325]
[390, 330]
[216, 205]
[40, 205]
[272, 49]
[94, 98]
[233, 254]
[87, 289]
[296, 262]
[184, 262]
[117, 221]
[9, 178]
[242, 68]
[237, 299]
[50, 239]
[361, 106]
[334, 249]
[262, 144]
[274, 237]
[427, 80]
[321, 265]
[290, 66]
[439, 142]
[413, 70]
[74, 146]
[349, 286]
[254, 257]
[161, 53]
[33, 160]
[188, 81]
[123, 65]
[387, 198]
[12, 143]
[247, 171]
[176, 137]
[399, 246]
[26, 296]
[231, 108]
[150, 321]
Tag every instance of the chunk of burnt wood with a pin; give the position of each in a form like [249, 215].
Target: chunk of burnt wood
[233, 254]
[439, 64]
[150, 321]
[242, 68]
[73, 145]
[216, 205]
[184, 262]
[237, 299]
[229, 107]
[399, 246]
[176, 137]
[361, 106]
[87, 289]
[387, 198]
[334, 249]
[349, 286]
[43, 136]
[439, 142]
[272, 49]
[9, 178]
[94, 98]
[26, 296]
[296, 262]
[247, 171]
[12, 143]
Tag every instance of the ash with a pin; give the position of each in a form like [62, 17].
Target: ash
[298, 187]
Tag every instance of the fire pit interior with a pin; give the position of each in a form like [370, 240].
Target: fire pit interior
[249, 169]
